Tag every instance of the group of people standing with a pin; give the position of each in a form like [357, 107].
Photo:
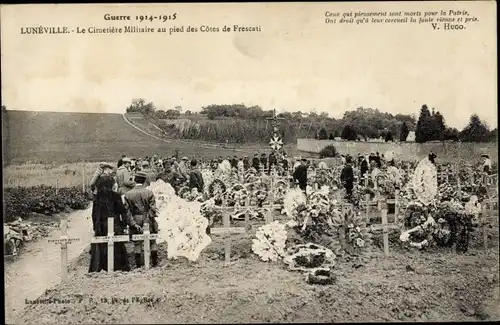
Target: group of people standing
[125, 198]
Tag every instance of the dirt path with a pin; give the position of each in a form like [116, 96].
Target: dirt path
[39, 265]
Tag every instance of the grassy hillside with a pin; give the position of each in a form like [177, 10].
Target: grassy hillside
[48, 137]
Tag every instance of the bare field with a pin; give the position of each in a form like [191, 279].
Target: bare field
[48, 137]
[64, 175]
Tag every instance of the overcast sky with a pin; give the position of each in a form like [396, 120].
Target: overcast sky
[297, 62]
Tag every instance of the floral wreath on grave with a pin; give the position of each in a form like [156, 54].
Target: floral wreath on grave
[237, 195]
[418, 213]
[259, 192]
[270, 241]
[311, 221]
[353, 238]
[293, 198]
[234, 176]
[454, 225]
[217, 189]
[386, 186]
[279, 170]
[317, 261]
[208, 210]
[446, 192]
[280, 189]
[208, 178]
[251, 175]
[323, 177]
[415, 224]
[335, 176]
[193, 195]
[424, 182]
[183, 191]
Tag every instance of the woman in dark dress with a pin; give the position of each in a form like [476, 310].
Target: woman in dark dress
[108, 204]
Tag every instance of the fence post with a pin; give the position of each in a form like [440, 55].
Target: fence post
[226, 224]
[83, 178]
[247, 207]
[57, 186]
[385, 231]
[396, 205]
[111, 245]
[147, 245]
[64, 250]
[367, 202]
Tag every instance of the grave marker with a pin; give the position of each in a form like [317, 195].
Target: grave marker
[110, 239]
[64, 240]
[226, 231]
[146, 236]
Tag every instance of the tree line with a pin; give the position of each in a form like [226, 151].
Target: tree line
[360, 124]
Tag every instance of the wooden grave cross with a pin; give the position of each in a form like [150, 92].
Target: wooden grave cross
[64, 240]
[146, 237]
[110, 239]
[227, 230]
[385, 226]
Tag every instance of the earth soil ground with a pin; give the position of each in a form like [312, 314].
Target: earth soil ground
[407, 286]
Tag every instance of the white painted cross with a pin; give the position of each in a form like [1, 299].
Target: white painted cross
[110, 239]
[226, 231]
[64, 240]
[146, 236]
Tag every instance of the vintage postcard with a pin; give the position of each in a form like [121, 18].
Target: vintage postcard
[250, 162]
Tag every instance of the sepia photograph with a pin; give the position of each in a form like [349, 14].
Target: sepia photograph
[260, 162]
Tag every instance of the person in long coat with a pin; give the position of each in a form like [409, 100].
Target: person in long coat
[347, 176]
[256, 162]
[195, 177]
[300, 175]
[246, 163]
[141, 206]
[108, 204]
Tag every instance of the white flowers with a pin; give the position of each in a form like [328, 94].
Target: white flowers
[360, 242]
[292, 200]
[424, 182]
[473, 207]
[270, 242]
[180, 223]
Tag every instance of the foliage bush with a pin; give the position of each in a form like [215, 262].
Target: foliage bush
[323, 135]
[21, 202]
[328, 151]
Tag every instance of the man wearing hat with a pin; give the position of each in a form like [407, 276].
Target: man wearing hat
[432, 158]
[234, 162]
[256, 162]
[183, 168]
[347, 176]
[195, 177]
[120, 162]
[300, 174]
[150, 174]
[141, 206]
[124, 176]
[486, 163]
[246, 163]
[103, 169]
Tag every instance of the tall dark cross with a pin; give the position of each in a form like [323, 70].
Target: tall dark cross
[275, 134]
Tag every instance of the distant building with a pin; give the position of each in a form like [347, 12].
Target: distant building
[411, 137]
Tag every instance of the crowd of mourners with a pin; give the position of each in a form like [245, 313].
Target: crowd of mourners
[121, 192]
